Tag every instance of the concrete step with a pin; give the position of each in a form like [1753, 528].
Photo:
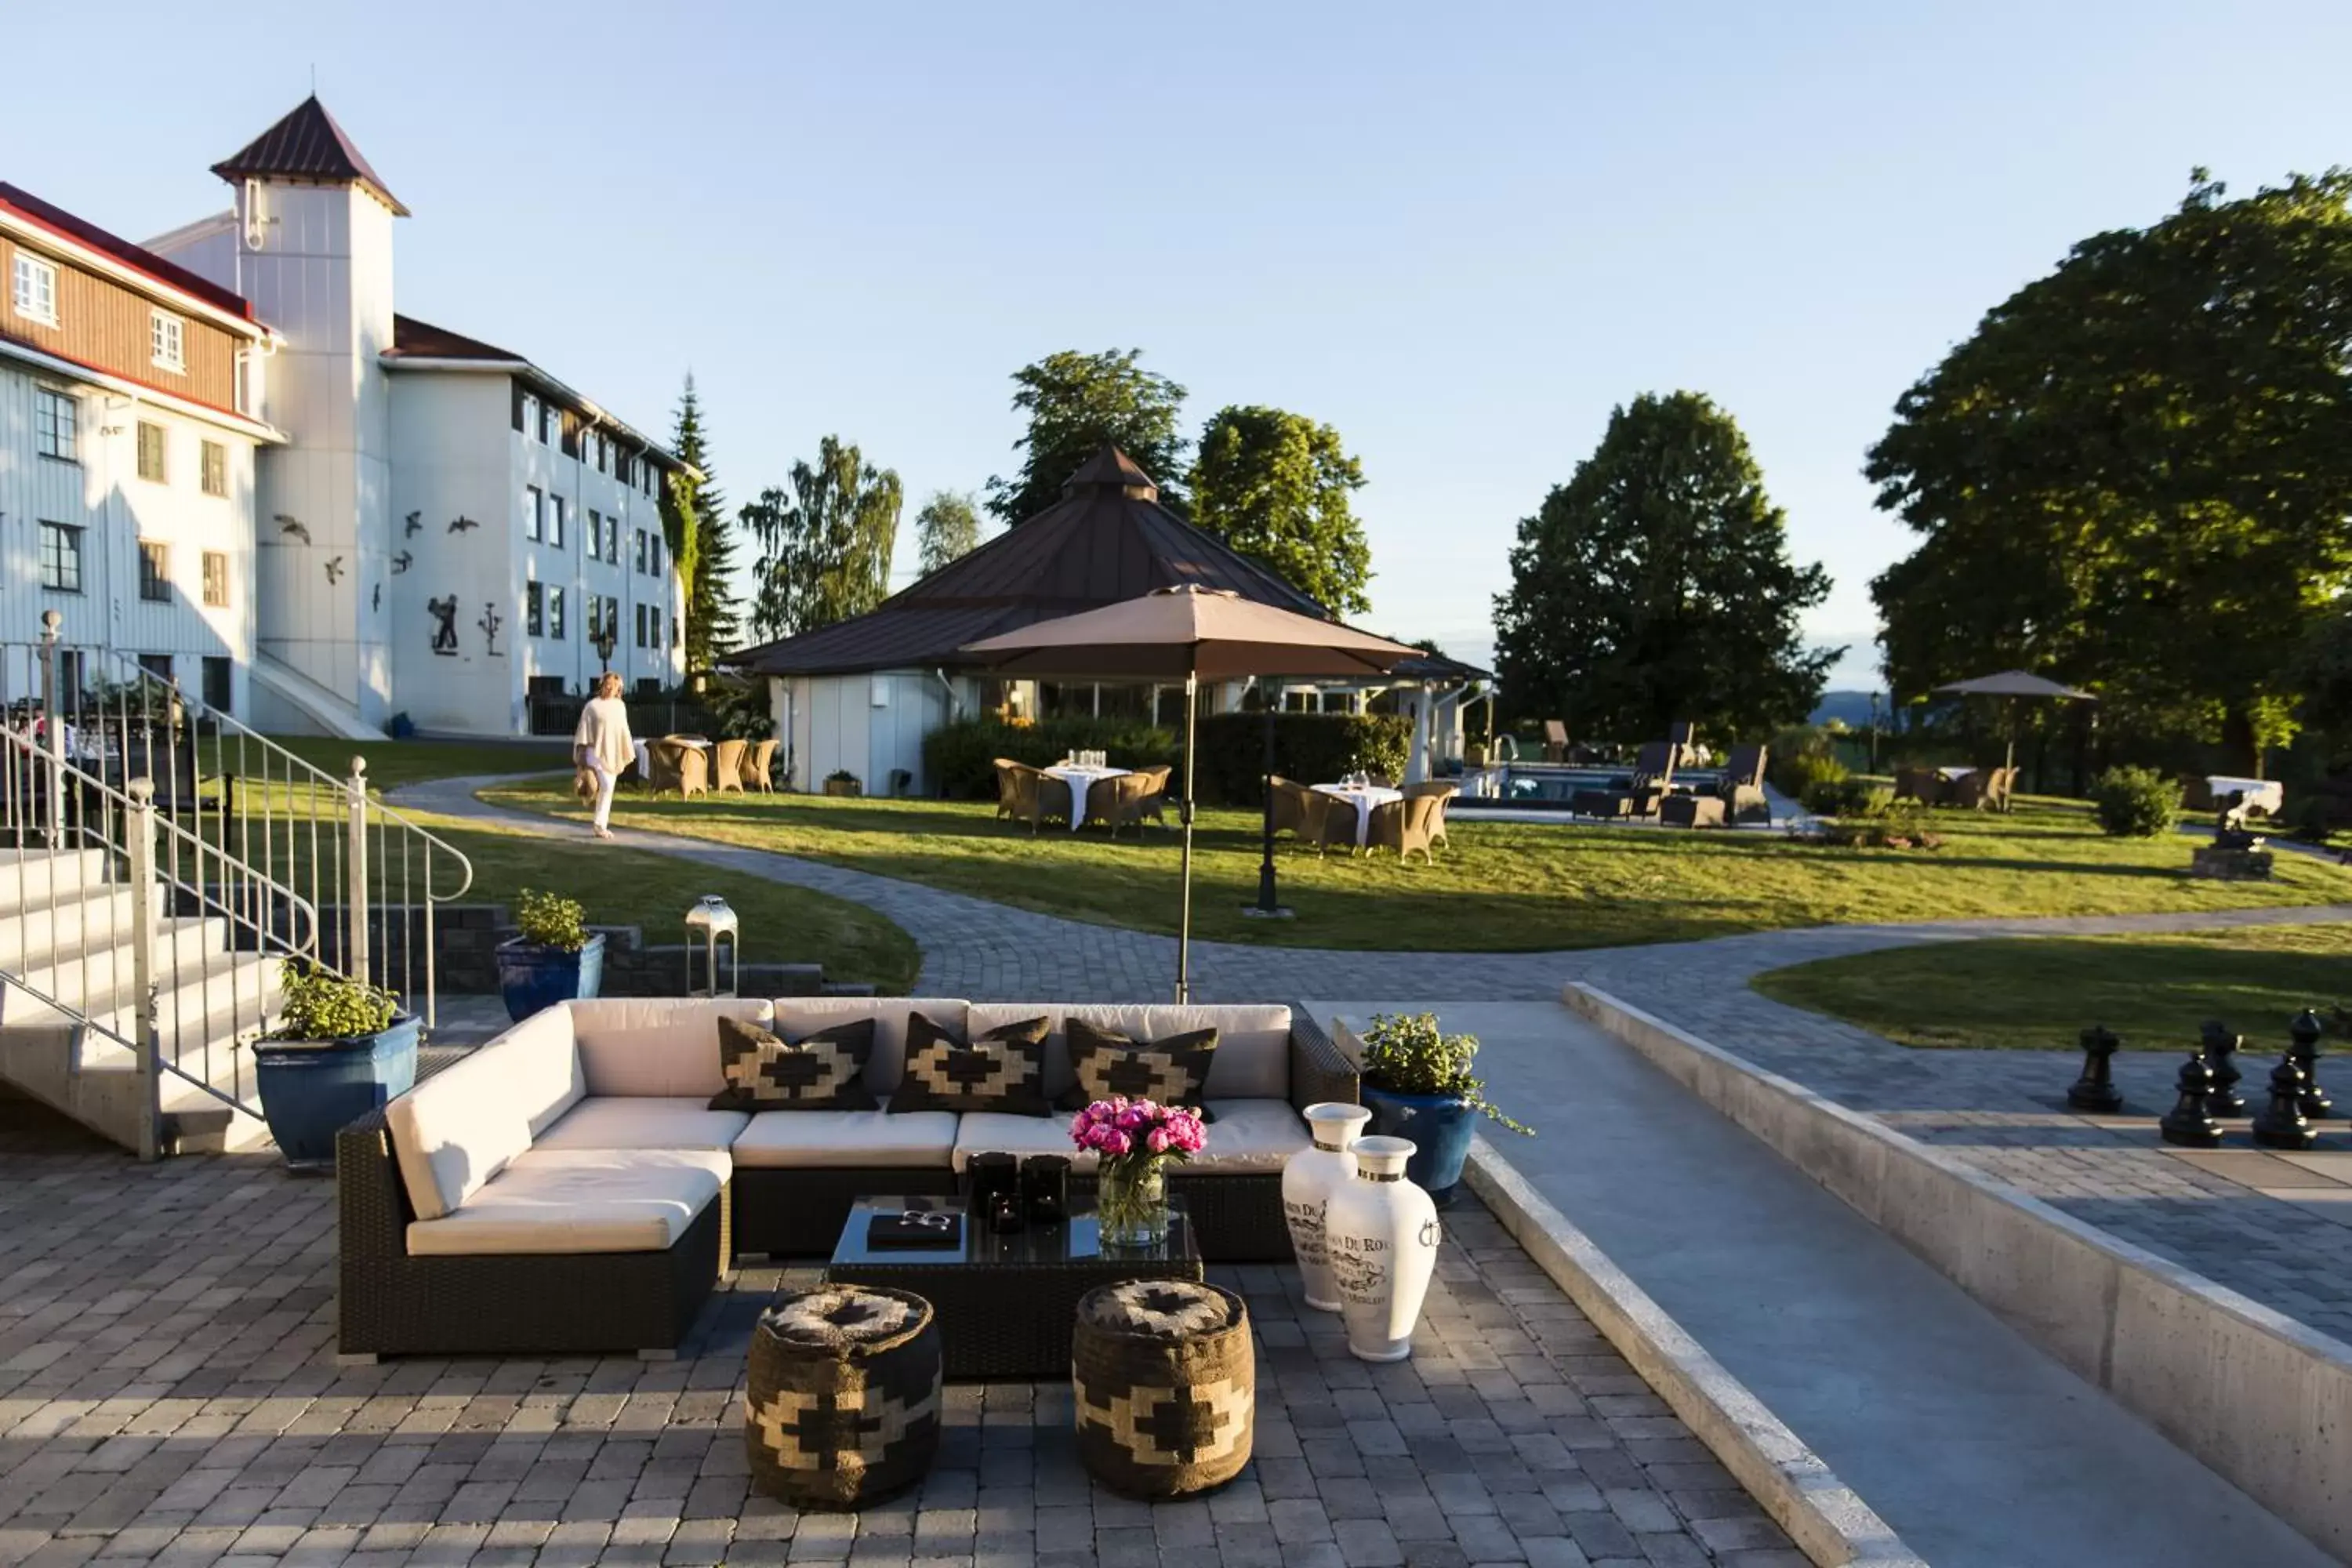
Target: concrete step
[62, 924]
[29, 877]
[95, 1080]
[89, 981]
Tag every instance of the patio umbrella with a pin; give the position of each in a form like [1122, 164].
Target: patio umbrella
[2012, 684]
[1199, 634]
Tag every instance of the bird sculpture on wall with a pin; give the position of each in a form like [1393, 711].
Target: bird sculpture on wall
[287, 525]
[375, 600]
[461, 522]
[402, 562]
[335, 569]
[412, 525]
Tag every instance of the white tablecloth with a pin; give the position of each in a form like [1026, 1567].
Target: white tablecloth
[1080, 780]
[1950, 774]
[2264, 795]
[1364, 798]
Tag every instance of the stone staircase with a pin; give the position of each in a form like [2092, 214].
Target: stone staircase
[70, 1012]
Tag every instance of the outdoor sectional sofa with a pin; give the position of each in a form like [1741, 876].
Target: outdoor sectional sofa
[566, 1188]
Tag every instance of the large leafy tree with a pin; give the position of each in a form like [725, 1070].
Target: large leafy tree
[1275, 486]
[825, 547]
[946, 528]
[1075, 402]
[2136, 474]
[1656, 585]
[712, 624]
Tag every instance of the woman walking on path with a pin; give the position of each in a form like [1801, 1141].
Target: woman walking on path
[603, 744]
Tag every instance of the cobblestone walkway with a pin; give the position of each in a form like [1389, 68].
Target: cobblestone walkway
[168, 1393]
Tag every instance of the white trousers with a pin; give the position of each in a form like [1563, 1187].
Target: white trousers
[606, 780]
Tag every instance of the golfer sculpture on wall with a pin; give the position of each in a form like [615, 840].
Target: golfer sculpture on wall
[445, 623]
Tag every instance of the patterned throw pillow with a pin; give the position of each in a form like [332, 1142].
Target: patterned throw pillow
[823, 1072]
[1173, 1071]
[1004, 1069]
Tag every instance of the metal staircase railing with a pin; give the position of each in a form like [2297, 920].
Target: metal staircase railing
[276, 813]
[190, 1000]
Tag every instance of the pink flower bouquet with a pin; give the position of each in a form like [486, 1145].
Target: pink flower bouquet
[1136, 1140]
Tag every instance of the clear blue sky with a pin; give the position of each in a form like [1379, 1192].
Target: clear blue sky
[1460, 234]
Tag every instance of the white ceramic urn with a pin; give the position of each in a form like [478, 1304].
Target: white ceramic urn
[1308, 1180]
[1382, 1233]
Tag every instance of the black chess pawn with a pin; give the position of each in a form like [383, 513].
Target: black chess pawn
[2304, 1032]
[2189, 1123]
[2280, 1124]
[2095, 1090]
[2220, 1048]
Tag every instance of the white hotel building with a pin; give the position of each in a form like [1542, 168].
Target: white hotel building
[399, 520]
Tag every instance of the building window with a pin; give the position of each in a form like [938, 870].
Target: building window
[57, 424]
[555, 520]
[158, 664]
[530, 425]
[218, 694]
[555, 612]
[155, 571]
[61, 557]
[213, 468]
[676, 629]
[534, 623]
[551, 425]
[169, 337]
[654, 550]
[151, 453]
[534, 512]
[637, 562]
[35, 289]
[215, 578]
[594, 537]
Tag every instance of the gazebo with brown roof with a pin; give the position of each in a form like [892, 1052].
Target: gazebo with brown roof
[860, 695]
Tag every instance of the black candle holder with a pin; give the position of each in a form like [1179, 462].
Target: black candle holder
[986, 1178]
[1045, 1188]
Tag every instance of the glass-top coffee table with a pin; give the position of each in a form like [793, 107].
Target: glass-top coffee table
[1005, 1304]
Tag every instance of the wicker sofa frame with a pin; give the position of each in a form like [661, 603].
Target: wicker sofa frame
[395, 1303]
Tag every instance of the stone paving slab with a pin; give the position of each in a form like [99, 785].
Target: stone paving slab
[168, 1392]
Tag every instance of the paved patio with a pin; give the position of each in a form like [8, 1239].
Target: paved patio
[168, 1392]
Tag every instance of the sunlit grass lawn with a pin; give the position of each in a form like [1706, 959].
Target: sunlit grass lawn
[1498, 886]
[619, 887]
[2154, 991]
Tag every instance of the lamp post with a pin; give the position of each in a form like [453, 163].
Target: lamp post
[603, 642]
[1269, 905]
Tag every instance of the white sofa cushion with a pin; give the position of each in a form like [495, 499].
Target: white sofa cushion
[614, 1121]
[995, 1132]
[577, 1200]
[847, 1140]
[1253, 1059]
[802, 1016]
[654, 1047]
[1250, 1138]
[458, 1128]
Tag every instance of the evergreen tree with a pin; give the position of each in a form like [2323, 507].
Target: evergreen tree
[1075, 402]
[712, 624]
[825, 548]
[947, 529]
[1275, 486]
[1656, 585]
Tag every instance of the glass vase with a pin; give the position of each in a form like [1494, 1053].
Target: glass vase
[1131, 1202]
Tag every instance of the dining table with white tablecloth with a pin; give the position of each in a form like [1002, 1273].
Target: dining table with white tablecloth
[1363, 797]
[1081, 779]
[644, 758]
[2266, 795]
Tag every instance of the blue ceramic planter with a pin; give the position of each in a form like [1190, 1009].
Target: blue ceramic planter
[310, 1090]
[532, 979]
[1440, 1127]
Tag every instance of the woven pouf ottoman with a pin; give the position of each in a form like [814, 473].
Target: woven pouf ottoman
[1166, 1387]
[844, 1408]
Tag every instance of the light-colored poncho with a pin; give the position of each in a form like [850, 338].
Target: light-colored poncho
[603, 735]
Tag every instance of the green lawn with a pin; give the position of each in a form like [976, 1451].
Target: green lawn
[392, 764]
[1500, 886]
[2042, 992]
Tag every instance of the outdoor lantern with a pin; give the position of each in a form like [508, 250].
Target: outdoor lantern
[713, 918]
[605, 641]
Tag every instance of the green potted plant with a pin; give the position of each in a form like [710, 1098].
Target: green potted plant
[841, 781]
[551, 958]
[341, 1048]
[1418, 1084]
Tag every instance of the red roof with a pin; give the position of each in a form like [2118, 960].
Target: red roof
[168, 274]
[307, 144]
[413, 339]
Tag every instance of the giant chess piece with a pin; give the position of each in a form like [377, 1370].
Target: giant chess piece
[2306, 1032]
[2280, 1124]
[2095, 1090]
[2220, 1048]
[2189, 1123]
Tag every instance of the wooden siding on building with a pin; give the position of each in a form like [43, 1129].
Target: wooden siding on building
[104, 324]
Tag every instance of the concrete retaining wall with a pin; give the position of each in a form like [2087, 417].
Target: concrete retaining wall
[2261, 1399]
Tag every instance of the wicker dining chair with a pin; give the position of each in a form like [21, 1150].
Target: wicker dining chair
[1441, 791]
[1403, 825]
[728, 769]
[679, 766]
[1329, 821]
[1046, 796]
[1008, 789]
[1155, 795]
[1972, 791]
[1131, 802]
[1290, 804]
[756, 764]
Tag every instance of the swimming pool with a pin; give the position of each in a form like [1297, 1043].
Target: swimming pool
[1552, 786]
